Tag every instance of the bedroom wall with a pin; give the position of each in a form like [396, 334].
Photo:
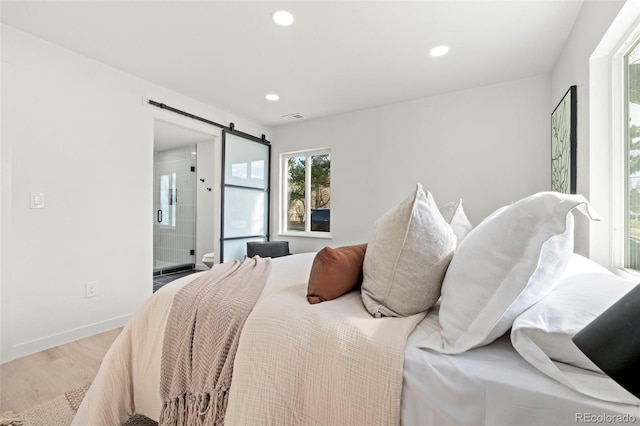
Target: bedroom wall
[572, 67]
[80, 132]
[489, 146]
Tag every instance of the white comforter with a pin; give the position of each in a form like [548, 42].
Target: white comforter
[297, 363]
[491, 385]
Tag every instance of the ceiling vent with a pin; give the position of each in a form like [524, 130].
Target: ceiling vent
[294, 116]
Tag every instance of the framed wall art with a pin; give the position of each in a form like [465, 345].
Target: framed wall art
[564, 143]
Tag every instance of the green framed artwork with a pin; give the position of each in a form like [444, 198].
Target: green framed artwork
[564, 143]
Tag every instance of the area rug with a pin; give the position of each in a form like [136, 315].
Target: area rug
[59, 412]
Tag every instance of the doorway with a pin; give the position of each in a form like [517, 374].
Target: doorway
[176, 197]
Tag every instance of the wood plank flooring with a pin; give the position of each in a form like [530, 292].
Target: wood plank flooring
[34, 379]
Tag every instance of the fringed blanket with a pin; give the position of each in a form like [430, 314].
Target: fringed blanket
[201, 339]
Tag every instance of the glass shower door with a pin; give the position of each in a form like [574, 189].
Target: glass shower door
[174, 202]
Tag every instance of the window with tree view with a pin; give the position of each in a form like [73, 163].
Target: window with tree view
[632, 66]
[307, 185]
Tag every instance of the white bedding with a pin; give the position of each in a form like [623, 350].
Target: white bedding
[490, 385]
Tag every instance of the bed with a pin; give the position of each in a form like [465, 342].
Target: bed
[323, 375]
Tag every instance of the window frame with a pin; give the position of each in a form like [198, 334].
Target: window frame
[620, 156]
[284, 187]
[605, 177]
[635, 44]
[168, 207]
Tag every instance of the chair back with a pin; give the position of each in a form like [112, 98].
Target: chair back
[268, 248]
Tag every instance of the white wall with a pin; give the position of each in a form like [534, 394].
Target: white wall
[80, 132]
[572, 67]
[5, 207]
[489, 146]
[207, 216]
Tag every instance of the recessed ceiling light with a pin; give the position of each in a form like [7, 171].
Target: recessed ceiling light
[282, 17]
[439, 51]
[272, 97]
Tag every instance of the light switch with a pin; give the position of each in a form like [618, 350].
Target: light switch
[37, 200]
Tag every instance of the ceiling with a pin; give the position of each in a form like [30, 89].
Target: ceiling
[338, 56]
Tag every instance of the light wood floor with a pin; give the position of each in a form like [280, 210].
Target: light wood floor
[34, 379]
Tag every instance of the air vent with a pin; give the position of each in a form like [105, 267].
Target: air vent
[294, 116]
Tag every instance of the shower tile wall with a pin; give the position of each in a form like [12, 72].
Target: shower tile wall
[173, 240]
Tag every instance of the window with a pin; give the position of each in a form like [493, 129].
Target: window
[632, 143]
[306, 192]
[609, 172]
[168, 199]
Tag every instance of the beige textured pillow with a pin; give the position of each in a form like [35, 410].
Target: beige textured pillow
[407, 258]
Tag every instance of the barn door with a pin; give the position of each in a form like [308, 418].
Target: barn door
[245, 193]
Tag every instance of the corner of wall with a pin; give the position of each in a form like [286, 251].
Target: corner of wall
[5, 211]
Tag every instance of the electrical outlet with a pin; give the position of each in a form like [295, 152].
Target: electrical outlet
[91, 289]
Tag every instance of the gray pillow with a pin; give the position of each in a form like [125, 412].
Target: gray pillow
[407, 257]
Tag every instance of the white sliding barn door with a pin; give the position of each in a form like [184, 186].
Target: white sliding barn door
[245, 193]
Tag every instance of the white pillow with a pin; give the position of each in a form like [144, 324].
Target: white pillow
[453, 214]
[553, 329]
[506, 264]
[579, 265]
[542, 334]
[407, 257]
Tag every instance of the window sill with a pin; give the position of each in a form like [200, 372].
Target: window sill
[322, 235]
[630, 274]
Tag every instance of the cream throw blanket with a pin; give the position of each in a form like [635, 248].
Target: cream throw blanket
[201, 339]
[330, 363]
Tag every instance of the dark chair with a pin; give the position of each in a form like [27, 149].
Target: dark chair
[268, 248]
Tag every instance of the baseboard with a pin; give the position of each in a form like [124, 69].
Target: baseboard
[27, 348]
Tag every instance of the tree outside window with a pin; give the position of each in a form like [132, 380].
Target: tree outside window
[633, 149]
[308, 191]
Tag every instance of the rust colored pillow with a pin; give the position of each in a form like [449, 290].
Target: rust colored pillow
[335, 272]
